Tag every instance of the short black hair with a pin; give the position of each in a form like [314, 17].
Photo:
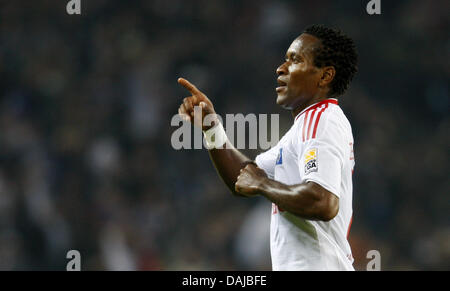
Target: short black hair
[337, 50]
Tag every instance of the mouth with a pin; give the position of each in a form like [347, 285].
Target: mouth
[283, 85]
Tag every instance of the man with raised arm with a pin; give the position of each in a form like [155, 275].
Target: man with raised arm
[308, 175]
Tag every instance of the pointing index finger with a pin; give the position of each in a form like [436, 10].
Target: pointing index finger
[188, 85]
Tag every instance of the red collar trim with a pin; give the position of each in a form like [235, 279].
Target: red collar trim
[315, 105]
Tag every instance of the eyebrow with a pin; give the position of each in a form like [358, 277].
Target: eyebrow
[290, 54]
[293, 54]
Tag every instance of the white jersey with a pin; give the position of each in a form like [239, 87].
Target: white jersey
[319, 148]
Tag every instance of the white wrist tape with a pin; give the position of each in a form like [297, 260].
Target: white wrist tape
[215, 137]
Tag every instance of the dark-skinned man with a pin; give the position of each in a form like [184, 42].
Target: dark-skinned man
[308, 175]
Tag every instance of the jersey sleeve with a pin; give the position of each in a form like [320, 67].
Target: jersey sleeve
[321, 158]
[267, 161]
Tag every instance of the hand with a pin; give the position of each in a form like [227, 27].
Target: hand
[250, 180]
[186, 109]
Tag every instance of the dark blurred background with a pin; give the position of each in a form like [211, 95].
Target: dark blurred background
[86, 100]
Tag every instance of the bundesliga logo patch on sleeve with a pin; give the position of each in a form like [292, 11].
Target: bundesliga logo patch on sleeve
[310, 161]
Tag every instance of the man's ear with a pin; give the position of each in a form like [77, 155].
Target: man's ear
[328, 74]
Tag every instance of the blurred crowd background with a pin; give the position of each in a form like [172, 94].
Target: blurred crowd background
[86, 101]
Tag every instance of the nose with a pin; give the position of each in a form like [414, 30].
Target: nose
[282, 70]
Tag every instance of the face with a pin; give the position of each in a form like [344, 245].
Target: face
[298, 78]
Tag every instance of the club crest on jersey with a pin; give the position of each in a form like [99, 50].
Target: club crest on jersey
[310, 159]
[280, 157]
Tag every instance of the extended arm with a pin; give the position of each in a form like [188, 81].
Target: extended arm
[228, 161]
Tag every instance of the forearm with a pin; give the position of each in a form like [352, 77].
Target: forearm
[228, 162]
[307, 200]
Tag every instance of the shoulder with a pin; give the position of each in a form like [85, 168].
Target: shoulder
[335, 119]
[323, 121]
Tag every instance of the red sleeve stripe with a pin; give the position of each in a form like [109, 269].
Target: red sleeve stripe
[313, 113]
[304, 125]
[317, 120]
[318, 108]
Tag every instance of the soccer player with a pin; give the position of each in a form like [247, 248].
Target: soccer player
[308, 175]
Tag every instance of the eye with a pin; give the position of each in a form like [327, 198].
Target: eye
[297, 59]
[294, 59]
